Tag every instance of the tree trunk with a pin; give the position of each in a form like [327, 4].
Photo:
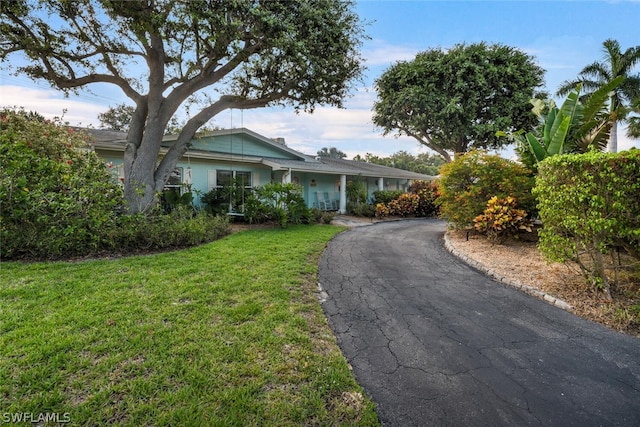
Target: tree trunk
[612, 146]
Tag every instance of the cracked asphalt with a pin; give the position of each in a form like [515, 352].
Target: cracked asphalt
[435, 342]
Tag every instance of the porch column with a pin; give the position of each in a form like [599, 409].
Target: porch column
[343, 194]
[381, 184]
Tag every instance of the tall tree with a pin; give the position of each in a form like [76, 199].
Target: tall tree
[455, 100]
[332, 153]
[162, 53]
[596, 75]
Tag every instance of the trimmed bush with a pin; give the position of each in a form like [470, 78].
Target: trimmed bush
[472, 179]
[589, 204]
[501, 219]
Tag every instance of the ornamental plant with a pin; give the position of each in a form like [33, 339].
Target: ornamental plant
[56, 195]
[590, 209]
[502, 219]
[405, 205]
[427, 192]
[472, 179]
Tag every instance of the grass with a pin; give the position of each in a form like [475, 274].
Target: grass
[226, 334]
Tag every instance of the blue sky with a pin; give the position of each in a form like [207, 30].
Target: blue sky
[562, 36]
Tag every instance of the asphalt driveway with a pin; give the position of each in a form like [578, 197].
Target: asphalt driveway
[434, 342]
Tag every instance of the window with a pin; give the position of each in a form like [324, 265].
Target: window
[173, 188]
[175, 180]
[242, 178]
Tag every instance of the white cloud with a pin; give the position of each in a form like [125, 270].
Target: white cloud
[380, 52]
[51, 103]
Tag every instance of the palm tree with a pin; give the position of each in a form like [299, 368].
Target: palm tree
[596, 75]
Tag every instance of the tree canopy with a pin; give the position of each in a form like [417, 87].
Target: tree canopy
[331, 152]
[455, 100]
[425, 163]
[161, 54]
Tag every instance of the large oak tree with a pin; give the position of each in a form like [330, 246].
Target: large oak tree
[454, 100]
[161, 53]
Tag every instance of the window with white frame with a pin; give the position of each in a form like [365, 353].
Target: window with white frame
[224, 177]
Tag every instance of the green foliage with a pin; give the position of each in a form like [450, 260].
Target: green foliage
[386, 196]
[501, 219]
[424, 163]
[179, 228]
[456, 99]
[472, 179]
[356, 191]
[589, 204]
[322, 217]
[281, 203]
[331, 153]
[56, 196]
[575, 127]
[361, 209]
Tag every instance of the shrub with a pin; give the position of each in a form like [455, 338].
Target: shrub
[385, 196]
[362, 209]
[180, 228]
[501, 219]
[405, 205]
[381, 210]
[356, 191]
[467, 184]
[589, 204]
[282, 203]
[427, 192]
[57, 197]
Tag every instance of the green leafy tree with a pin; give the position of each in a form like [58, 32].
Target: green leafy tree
[455, 100]
[597, 75]
[117, 118]
[230, 54]
[332, 153]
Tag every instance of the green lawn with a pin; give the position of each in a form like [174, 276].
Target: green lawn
[228, 333]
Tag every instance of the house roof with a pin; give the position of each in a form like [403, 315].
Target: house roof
[114, 140]
[345, 167]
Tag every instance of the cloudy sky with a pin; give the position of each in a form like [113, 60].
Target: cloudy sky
[562, 36]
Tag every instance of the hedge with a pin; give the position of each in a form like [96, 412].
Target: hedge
[590, 204]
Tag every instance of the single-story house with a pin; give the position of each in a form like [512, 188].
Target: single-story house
[216, 157]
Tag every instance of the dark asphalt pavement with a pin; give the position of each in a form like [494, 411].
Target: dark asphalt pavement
[434, 342]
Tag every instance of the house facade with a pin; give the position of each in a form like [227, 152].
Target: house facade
[215, 158]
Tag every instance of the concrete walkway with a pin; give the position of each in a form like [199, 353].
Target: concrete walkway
[436, 342]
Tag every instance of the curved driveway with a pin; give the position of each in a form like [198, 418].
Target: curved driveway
[435, 342]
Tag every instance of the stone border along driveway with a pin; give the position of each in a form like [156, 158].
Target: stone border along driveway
[507, 281]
